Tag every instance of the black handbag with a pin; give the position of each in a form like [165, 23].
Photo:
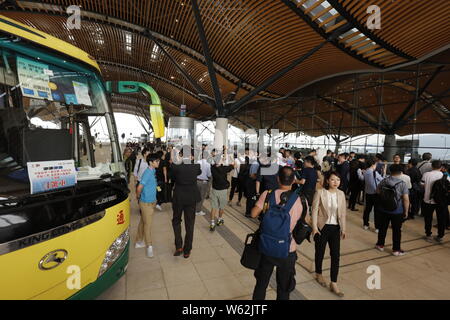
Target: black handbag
[251, 255]
[302, 230]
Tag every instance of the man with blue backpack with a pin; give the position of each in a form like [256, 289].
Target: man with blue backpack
[393, 205]
[281, 210]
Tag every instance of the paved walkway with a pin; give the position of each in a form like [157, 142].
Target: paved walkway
[214, 272]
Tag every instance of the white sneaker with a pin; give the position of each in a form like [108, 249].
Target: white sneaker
[200, 213]
[158, 207]
[366, 227]
[140, 244]
[399, 253]
[150, 252]
[376, 230]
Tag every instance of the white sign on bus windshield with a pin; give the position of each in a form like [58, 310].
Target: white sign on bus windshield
[50, 175]
[34, 79]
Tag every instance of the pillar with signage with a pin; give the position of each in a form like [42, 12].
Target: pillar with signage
[183, 110]
[390, 147]
[221, 134]
[181, 131]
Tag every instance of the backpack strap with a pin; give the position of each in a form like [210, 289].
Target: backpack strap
[375, 178]
[305, 208]
[290, 203]
[271, 198]
[266, 201]
[139, 166]
[421, 165]
[385, 184]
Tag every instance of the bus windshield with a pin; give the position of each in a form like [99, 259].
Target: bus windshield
[52, 112]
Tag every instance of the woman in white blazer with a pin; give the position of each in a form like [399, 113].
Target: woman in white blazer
[328, 223]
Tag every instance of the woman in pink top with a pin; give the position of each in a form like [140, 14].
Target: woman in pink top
[285, 266]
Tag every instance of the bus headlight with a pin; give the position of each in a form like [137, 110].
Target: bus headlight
[114, 251]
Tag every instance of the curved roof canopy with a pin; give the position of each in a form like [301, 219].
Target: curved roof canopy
[295, 65]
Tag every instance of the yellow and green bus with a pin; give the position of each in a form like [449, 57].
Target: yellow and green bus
[68, 239]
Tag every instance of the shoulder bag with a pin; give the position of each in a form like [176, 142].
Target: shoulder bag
[251, 255]
[302, 230]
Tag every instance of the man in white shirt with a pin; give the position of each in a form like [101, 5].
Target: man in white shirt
[371, 180]
[406, 179]
[425, 165]
[203, 184]
[429, 205]
[141, 165]
[281, 160]
[235, 186]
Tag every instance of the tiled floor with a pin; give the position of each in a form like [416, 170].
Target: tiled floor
[214, 272]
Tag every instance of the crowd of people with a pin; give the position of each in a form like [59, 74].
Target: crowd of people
[395, 192]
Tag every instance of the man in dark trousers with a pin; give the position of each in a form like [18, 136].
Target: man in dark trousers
[343, 168]
[308, 179]
[285, 273]
[250, 188]
[396, 216]
[185, 197]
[414, 194]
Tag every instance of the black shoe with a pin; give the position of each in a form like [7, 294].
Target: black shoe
[438, 239]
[178, 252]
[248, 216]
[187, 254]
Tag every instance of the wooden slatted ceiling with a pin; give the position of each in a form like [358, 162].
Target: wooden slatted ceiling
[359, 43]
[253, 38]
[416, 27]
[110, 44]
[398, 92]
[318, 66]
[271, 36]
[98, 40]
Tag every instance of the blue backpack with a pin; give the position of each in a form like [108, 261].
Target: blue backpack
[275, 236]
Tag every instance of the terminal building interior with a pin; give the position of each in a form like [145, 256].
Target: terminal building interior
[334, 71]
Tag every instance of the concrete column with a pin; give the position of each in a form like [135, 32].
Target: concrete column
[390, 148]
[221, 133]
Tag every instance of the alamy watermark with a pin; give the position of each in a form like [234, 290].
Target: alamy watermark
[255, 147]
[374, 20]
[74, 280]
[374, 280]
[74, 20]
